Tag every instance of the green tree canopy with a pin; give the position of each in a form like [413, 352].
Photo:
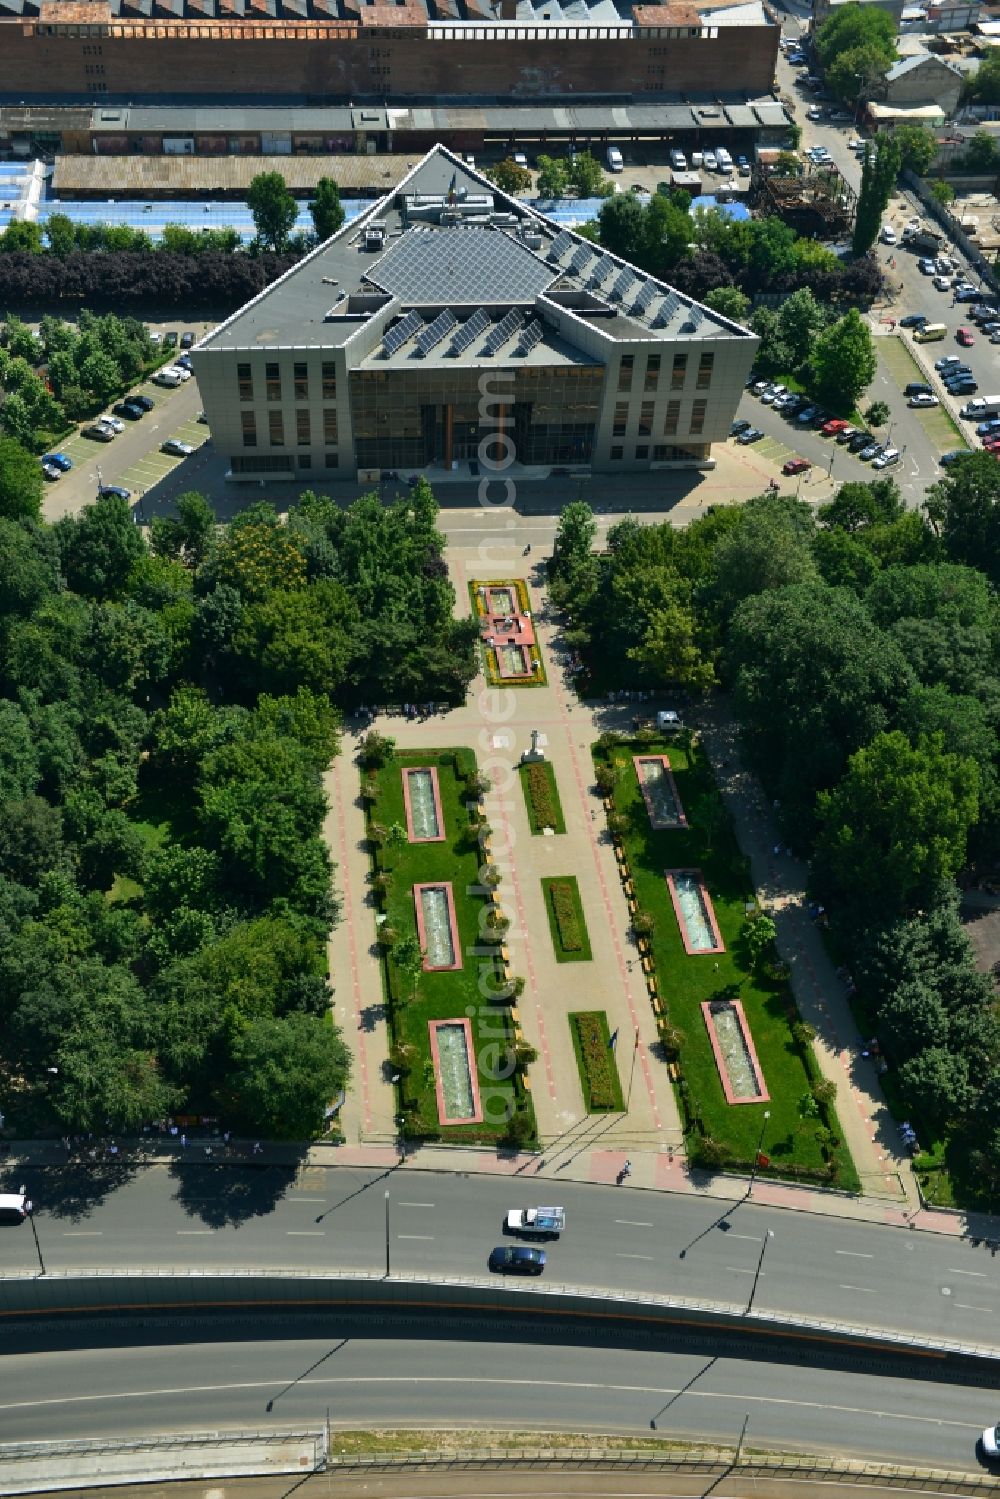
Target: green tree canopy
[843, 361]
[282, 1075]
[509, 176]
[917, 147]
[326, 208]
[21, 482]
[273, 208]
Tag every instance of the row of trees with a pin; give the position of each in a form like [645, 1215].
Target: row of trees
[167, 709]
[833, 357]
[128, 282]
[862, 651]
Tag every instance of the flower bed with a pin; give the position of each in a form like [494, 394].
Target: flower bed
[541, 795]
[566, 920]
[483, 593]
[595, 1058]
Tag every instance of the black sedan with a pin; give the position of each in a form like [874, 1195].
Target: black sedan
[130, 411]
[517, 1259]
[741, 426]
[913, 320]
[753, 434]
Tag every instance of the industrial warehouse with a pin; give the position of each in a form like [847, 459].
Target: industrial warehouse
[451, 326]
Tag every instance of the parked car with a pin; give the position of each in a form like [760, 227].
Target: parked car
[917, 388]
[739, 426]
[846, 435]
[114, 422]
[773, 393]
[154, 337]
[178, 449]
[517, 1259]
[170, 340]
[871, 451]
[807, 415]
[949, 362]
[743, 166]
[888, 234]
[833, 428]
[886, 458]
[202, 417]
[925, 267]
[753, 435]
[947, 459]
[130, 411]
[913, 320]
[986, 429]
[187, 339]
[113, 492]
[965, 338]
[146, 402]
[50, 471]
[861, 440]
[710, 161]
[796, 466]
[58, 460]
[923, 400]
[989, 1442]
[961, 387]
[965, 293]
[168, 377]
[942, 283]
[98, 432]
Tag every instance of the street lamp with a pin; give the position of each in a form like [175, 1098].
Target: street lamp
[756, 1154]
[34, 1230]
[768, 1236]
[387, 1236]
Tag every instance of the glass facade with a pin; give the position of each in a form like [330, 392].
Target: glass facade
[412, 418]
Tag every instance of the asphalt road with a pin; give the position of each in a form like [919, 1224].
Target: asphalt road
[222, 1216]
[373, 1383]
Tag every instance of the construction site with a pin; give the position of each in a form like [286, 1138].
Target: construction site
[818, 203]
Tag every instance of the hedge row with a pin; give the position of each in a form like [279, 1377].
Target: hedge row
[564, 911]
[543, 803]
[596, 1059]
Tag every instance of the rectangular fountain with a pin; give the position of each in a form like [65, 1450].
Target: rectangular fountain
[437, 928]
[659, 791]
[512, 661]
[694, 911]
[501, 601]
[422, 795]
[735, 1056]
[455, 1076]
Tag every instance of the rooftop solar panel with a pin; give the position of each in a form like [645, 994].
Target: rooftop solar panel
[622, 280]
[601, 269]
[470, 330]
[580, 257]
[530, 337]
[503, 331]
[439, 329]
[647, 296]
[467, 265]
[560, 244]
[400, 332]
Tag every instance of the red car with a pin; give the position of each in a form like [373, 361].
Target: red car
[965, 338]
[796, 466]
[830, 429]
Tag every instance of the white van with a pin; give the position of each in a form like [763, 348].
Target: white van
[678, 161]
[978, 408]
[14, 1207]
[697, 159]
[616, 161]
[724, 159]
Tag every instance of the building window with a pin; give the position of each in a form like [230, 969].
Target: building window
[679, 371]
[303, 434]
[617, 453]
[705, 364]
[305, 460]
[625, 373]
[301, 373]
[645, 428]
[672, 418]
[652, 374]
[698, 417]
[642, 450]
[621, 419]
[329, 380]
[272, 374]
[249, 429]
[661, 452]
[332, 460]
[244, 375]
[329, 424]
[276, 429]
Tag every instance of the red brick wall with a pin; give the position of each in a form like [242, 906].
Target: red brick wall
[736, 60]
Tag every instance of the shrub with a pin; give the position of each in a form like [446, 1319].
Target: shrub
[564, 911]
[375, 750]
[519, 1130]
[597, 1060]
[542, 802]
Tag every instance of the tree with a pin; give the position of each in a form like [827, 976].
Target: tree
[963, 510]
[769, 548]
[729, 302]
[984, 85]
[326, 209]
[896, 825]
[761, 936]
[188, 535]
[553, 177]
[273, 208]
[851, 26]
[801, 320]
[934, 1086]
[877, 414]
[586, 175]
[282, 1074]
[622, 222]
[99, 547]
[941, 191]
[917, 147]
[510, 177]
[21, 482]
[843, 361]
[879, 171]
[858, 505]
[981, 153]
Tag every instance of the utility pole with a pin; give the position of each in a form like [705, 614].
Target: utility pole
[34, 1230]
[739, 1444]
[756, 1154]
[769, 1235]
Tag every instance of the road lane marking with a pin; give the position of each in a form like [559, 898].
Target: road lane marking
[415, 1236]
[82, 1233]
[753, 1238]
[307, 1199]
[869, 1289]
[182, 1232]
[634, 1256]
[305, 1233]
[855, 1254]
[739, 1270]
[633, 1223]
[414, 1204]
[967, 1307]
[980, 1274]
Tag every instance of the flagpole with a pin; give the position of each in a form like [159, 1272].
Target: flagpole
[631, 1075]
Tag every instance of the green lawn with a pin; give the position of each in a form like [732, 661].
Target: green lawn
[444, 995]
[583, 953]
[686, 981]
[901, 362]
[541, 767]
[617, 1102]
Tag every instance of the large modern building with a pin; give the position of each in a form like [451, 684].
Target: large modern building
[350, 51]
[449, 314]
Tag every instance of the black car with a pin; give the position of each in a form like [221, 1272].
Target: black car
[113, 492]
[918, 388]
[130, 411]
[913, 320]
[963, 295]
[146, 402]
[517, 1259]
[741, 426]
[187, 339]
[861, 440]
[170, 340]
[961, 387]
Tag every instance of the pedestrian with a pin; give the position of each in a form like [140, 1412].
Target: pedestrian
[184, 1141]
[208, 1150]
[225, 1138]
[257, 1148]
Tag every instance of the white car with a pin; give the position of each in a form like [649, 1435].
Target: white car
[178, 449]
[170, 378]
[115, 423]
[923, 400]
[178, 370]
[888, 235]
[536, 1223]
[710, 161]
[990, 1441]
[886, 457]
[942, 283]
